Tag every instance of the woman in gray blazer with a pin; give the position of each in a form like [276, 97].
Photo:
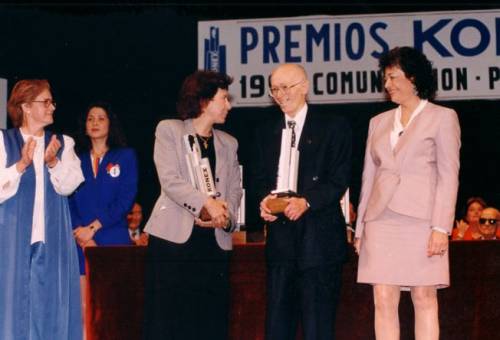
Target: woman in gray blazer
[187, 283]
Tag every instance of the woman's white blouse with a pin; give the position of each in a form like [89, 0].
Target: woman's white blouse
[65, 176]
[398, 128]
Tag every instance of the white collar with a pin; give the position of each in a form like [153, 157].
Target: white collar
[398, 127]
[299, 118]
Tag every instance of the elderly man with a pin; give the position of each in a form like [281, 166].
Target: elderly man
[488, 224]
[306, 244]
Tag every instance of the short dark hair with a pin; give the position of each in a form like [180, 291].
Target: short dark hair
[415, 66]
[116, 137]
[198, 89]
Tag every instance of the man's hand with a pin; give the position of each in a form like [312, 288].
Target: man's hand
[296, 207]
[265, 212]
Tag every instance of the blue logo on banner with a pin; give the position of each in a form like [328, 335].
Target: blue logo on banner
[215, 54]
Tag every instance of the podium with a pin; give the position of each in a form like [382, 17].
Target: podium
[467, 310]
[115, 292]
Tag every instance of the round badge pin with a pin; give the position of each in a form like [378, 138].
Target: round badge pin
[114, 171]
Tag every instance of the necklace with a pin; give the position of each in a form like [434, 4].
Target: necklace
[205, 141]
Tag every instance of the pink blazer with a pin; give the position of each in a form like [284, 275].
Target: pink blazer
[420, 177]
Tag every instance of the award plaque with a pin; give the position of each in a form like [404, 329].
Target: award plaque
[286, 182]
[199, 170]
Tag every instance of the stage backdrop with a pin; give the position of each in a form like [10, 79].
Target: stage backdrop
[340, 53]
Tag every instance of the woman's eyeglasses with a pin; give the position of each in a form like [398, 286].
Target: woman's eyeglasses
[46, 102]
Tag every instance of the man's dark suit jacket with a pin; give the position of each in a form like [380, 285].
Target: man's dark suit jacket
[324, 172]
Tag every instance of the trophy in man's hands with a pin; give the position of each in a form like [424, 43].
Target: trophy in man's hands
[288, 169]
[199, 170]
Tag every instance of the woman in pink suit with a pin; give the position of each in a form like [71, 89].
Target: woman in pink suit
[408, 196]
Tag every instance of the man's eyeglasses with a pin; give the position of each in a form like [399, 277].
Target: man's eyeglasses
[46, 102]
[274, 91]
[492, 221]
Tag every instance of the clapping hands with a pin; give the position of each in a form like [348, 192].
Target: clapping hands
[27, 153]
[51, 152]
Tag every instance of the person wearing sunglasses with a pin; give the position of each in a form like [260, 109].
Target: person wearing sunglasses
[39, 284]
[488, 226]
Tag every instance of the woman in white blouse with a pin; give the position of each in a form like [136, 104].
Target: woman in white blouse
[39, 280]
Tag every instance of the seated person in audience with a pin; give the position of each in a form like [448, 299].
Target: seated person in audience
[488, 225]
[134, 219]
[470, 222]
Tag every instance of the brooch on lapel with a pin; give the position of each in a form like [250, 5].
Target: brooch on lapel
[113, 169]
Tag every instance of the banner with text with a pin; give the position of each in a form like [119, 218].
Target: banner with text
[340, 53]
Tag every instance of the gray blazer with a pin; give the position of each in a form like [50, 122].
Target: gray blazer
[179, 203]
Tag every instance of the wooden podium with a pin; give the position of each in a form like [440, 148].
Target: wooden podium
[469, 309]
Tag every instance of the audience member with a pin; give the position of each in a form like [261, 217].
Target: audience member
[469, 224]
[134, 219]
[487, 226]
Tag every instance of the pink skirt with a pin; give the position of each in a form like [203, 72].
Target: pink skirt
[394, 252]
